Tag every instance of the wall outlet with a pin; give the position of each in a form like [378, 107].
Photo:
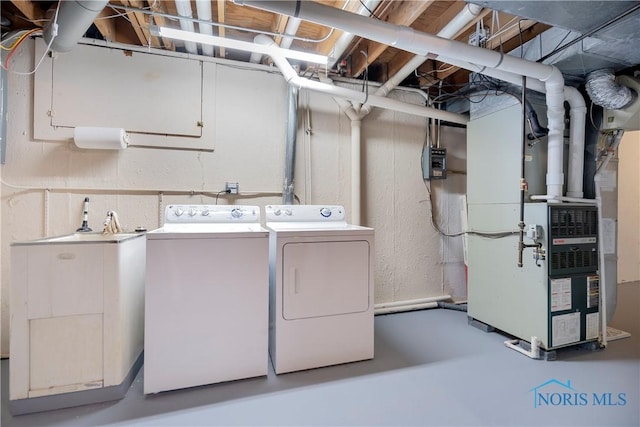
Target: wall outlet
[232, 187]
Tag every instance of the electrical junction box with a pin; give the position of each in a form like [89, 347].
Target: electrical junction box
[434, 163]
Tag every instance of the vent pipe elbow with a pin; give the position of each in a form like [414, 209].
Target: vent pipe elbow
[73, 20]
[604, 91]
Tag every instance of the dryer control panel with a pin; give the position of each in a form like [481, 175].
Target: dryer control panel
[210, 214]
[304, 213]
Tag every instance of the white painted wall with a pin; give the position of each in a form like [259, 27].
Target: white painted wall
[248, 133]
[629, 208]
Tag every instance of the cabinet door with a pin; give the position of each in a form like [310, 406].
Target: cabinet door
[325, 278]
[66, 354]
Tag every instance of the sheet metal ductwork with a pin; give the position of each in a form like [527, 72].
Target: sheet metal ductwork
[73, 20]
[604, 91]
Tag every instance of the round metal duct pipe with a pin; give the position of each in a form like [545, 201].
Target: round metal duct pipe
[74, 18]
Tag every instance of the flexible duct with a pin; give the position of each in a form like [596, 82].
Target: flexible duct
[183, 7]
[74, 18]
[604, 91]
[425, 44]
[203, 8]
[290, 149]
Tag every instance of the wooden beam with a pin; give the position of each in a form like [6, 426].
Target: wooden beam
[221, 32]
[401, 13]
[140, 24]
[28, 9]
[106, 24]
[280, 26]
[157, 6]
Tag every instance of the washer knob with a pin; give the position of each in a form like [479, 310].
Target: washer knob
[192, 212]
[178, 212]
[288, 212]
[277, 212]
[325, 212]
[205, 212]
[236, 213]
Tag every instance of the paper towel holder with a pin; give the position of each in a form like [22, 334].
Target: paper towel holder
[100, 138]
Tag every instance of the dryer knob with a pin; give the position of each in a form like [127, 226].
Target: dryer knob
[192, 212]
[205, 212]
[178, 212]
[277, 212]
[325, 212]
[288, 212]
[236, 213]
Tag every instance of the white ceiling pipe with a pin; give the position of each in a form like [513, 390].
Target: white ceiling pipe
[73, 20]
[203, 8]
[255, 57]
[183, 7]
[345, 39]
[466, 15]
[292, 28]
[428, 45]
[291, 76]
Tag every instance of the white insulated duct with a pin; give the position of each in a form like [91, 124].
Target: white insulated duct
[428, 45]
[291, 29]
[604, 91]
[74, 18]
[183, 7]
[203, 8]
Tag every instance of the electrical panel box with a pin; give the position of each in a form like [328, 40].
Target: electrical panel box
[434, 163]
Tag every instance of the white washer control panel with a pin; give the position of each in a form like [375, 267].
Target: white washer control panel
[210, 214]
[304, 213]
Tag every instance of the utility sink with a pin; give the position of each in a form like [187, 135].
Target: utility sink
[87, 238]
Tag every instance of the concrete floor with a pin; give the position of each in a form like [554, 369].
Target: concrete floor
[431, 368]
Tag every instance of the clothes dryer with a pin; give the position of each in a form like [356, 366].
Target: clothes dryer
[321, 287]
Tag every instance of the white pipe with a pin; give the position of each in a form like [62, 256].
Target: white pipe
[578, 114]
[203, 8]
[534, 353]
[424, 44]
[345, 39]
[466, 15]
[183, 7]
[291, 29]
[577, 129]
[291, 76]
[356, 126]
[548, 198]
[399, 309]
[256, 57]
[412, 302]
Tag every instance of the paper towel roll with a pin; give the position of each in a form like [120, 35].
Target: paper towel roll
[100, 138]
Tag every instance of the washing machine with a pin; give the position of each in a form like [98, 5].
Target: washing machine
[320, 287]
[206, 301]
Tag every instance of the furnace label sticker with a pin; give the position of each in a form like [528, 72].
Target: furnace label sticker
[592, 325]
[565, 329]
[560, 294]
[593, 291]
